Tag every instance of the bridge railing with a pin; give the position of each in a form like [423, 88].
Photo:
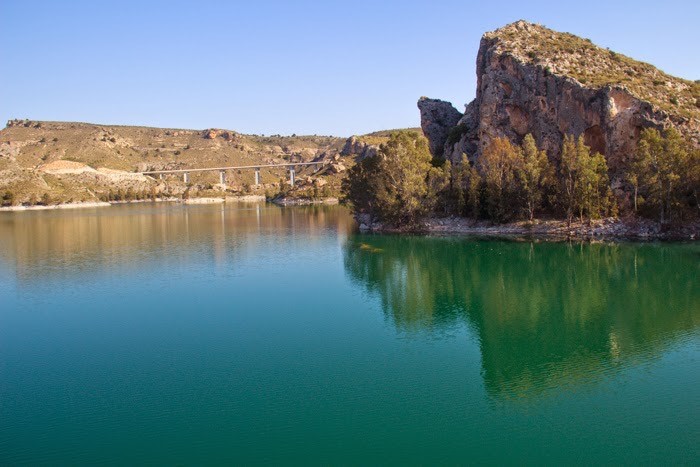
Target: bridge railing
[222, 170]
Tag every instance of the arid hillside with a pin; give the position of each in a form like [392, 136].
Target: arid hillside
[65, 161]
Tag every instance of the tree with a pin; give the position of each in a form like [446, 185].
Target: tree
[466, 186]
[694, 176]
[567, 174]
[584, 180]
[590, 182]
[359, 185]
[534, 173]
[393, 185]
[663, 160]
[440, 184]
[474, 187]
[459, 176]
[498, 164]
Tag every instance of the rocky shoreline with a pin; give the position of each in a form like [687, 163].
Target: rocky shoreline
[304, 201]
[602, 229]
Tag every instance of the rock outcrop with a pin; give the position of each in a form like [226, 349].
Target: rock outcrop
[531, 79]
[360, 149]
[437, 118]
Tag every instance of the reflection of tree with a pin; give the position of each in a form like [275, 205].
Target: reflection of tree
[544, 313]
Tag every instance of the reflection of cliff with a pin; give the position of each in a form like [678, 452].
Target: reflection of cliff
[59, 243]
[544, 313]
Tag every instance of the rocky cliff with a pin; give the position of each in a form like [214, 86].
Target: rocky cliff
[531, 79]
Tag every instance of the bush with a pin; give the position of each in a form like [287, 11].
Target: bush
[8, 199]
[455, 134]
[393, 185]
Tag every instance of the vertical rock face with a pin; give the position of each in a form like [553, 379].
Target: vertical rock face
[437, 118]
[531, 79]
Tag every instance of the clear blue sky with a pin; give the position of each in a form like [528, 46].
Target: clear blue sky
[287, 67]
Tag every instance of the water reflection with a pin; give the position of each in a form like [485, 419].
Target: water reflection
[545, 314]
[58, 244]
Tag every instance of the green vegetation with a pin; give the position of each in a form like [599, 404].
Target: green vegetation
[399, 184]
[534, 173]
[498, 166]
[584, 181]
[664, 174]
[456, 134]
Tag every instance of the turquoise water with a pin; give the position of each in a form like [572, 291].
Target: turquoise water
[164, 334]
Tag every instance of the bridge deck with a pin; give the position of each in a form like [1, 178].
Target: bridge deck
[221, 169]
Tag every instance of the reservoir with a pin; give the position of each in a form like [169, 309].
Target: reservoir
[254, 334]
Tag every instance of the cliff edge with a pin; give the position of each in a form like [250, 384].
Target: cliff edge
[531, 79]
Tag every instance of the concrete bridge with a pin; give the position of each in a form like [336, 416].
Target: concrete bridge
[222, 170]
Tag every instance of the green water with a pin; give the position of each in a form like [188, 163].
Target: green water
[164, 334]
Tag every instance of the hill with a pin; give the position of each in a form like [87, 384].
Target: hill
[70, 161]
[531, 79]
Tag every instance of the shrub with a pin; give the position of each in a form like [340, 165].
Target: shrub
[8, 199]
[455, 134]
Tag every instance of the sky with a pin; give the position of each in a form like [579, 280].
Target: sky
[284, 67]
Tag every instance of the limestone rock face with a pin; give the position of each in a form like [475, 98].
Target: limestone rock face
[436, 119]
[354, 147]
[531, 79]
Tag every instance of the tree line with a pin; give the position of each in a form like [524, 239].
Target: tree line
[403, 183]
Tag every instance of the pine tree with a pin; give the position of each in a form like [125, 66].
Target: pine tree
[567, 173]
[498, 165]
[474, 187]
[665, 158]
[399, 184]
[533, 173]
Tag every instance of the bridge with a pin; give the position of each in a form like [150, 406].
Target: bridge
[222, 170]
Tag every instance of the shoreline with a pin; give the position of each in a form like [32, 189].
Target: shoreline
[330, 201]
[190, 201]
[552, 230]
[89, 204]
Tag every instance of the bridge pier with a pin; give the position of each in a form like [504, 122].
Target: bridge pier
[291, 176]
[186, 177]
[257, 176]
[222, 177]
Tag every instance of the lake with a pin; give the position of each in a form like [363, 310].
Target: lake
[170, 334]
